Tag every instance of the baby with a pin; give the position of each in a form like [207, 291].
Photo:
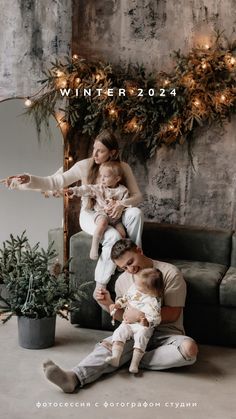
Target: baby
[108, 190]
[145, 295]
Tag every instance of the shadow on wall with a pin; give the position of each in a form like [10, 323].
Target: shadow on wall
[20, 152]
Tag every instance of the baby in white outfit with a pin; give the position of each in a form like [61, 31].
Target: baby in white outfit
[144, 295]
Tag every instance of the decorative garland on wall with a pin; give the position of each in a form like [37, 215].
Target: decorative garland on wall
[147, 108]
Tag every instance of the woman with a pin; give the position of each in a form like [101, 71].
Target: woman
[87, 171]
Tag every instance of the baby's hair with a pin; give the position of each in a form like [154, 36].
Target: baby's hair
[116, 168]
[153, 279]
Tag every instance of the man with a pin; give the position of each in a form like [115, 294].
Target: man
[167, 348]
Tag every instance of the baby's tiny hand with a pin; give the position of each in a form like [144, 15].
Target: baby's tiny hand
[69, 192]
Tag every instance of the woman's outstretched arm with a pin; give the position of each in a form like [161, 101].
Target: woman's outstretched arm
[56, 181]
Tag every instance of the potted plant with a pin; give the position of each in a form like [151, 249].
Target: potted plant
[36, 290]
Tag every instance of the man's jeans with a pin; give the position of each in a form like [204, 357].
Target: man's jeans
[162, 353]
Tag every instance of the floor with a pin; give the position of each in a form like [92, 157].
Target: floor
[205, 390]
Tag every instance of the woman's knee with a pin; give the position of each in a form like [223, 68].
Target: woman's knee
[134, 213]
[189, 349]
[111, 236]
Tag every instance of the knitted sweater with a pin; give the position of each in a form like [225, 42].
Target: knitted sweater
[79, 172]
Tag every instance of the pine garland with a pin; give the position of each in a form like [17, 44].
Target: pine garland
[201, 89]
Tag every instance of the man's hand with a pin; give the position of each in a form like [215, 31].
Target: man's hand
[143, 321]
[132, 315]
[103, 296]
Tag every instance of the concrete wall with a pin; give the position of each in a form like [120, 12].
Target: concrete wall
[146, 31]
[32, 33]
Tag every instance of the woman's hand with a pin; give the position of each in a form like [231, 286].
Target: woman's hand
[21, 179]
[116, 209]
[17, 179]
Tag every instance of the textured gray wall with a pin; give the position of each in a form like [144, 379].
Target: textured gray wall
[32, 33]
[147, 31]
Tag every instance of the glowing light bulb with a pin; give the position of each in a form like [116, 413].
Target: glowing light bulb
[63, 83]
[77, 80]
[204, 65]
[222, 98]
[28, 102]
[196, 102]
[206, 46]
[70, 158]
[75, 57]
[171, 126]
[98, 77]
[59, 73]
[232, 60]
[166, 82]
[112, 111]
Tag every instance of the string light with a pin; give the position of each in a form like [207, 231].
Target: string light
[166, 82]
[113, 112]
[28, 102]
[204, 65]
[98, 77]
[133, 125]
[77, 80]
[197, 102]
[222, 98]
[59, 73]
[232, 60]
[63, 83]
[75, 57]
[206, 46]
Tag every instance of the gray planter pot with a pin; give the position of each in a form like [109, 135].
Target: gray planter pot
[36, 333]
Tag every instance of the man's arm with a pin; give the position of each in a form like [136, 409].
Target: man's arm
[170, 314]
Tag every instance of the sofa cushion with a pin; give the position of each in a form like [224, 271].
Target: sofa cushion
[228, 289]
[186, 243]
[233, 251]
[202, 280]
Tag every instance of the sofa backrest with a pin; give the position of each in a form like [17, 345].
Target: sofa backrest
[233, 252]
[169, 241]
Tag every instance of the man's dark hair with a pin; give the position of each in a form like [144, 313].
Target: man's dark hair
[120, 247]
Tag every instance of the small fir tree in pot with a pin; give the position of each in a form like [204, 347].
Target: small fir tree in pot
[35, 291]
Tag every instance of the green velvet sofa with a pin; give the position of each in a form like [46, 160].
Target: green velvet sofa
[207, 259]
